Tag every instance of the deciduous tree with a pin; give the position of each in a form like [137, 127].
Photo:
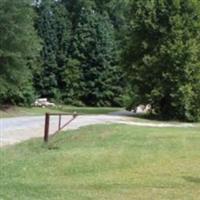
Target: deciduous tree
[19, 46]
[162, 56]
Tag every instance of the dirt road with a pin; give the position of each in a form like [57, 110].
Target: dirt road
[14, 130]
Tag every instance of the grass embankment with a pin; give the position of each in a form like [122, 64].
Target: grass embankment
[114, 162]
[33, 111]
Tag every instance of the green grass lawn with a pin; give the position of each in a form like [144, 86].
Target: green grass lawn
[33, 111]
[112, 162]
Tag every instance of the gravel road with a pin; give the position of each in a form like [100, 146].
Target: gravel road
[15, 130]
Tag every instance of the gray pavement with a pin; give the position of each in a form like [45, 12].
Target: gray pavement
[15, 130]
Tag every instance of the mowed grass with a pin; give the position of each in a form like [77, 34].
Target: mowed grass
[105, 162]
[33, 111]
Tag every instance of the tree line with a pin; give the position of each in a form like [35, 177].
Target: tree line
[102, 53]
[75, 51]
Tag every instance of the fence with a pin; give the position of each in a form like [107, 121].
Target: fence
[60, 126]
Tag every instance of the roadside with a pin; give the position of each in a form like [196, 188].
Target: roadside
[15, 130]
[15, 111]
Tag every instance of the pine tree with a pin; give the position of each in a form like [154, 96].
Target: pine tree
[94, 48]
[45, 77]
[66, 76]
[54, 28]
[80, 54]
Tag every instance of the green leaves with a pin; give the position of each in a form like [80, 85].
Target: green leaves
[163, 47]
[19, 45]
[80, 55]
[54, 27]
[94, 46]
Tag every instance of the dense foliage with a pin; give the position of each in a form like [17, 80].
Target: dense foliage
[19, 45]
[163, 56]
[54, 28]
[70, 51]
[80, 59]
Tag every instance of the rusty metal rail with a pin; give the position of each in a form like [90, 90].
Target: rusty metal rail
[60, 126]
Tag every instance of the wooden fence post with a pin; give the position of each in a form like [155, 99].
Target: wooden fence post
[59, 123]
[46, 127]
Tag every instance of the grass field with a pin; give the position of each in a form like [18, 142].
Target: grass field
[113, 162]
[33, 111]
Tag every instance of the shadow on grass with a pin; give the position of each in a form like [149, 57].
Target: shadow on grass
[192, 179]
